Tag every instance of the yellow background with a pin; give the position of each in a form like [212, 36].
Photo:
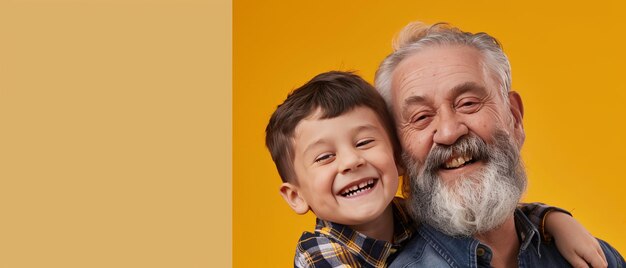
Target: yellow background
[567, 64]
[115, 133]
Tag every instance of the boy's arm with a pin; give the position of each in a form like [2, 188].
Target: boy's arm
[573, 241]
[537, 213]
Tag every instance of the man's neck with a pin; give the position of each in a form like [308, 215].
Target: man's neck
[504, 244]
[380, 228]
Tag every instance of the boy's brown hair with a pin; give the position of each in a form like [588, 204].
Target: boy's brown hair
[334, 93]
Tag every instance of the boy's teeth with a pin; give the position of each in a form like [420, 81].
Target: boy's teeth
[357, 188]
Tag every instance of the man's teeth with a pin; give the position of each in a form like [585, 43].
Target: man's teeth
[358, 188]
[458, 161]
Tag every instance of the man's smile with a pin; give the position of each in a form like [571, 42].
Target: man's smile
[458, 161]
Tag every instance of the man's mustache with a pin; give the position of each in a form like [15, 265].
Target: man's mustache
[469, 145]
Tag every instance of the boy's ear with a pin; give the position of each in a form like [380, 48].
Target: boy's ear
[291, 194]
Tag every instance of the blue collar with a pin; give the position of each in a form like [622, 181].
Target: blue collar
[460, 251]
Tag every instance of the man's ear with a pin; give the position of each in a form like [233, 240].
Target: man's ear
[517, 110]
[292, 195]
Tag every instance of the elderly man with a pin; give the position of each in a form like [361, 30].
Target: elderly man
[461, 130]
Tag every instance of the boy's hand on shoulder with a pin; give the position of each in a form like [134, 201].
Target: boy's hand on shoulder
[574, 242]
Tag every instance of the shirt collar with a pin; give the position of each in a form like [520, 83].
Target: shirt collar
[373, 251]
[527, 232]
[456, 249]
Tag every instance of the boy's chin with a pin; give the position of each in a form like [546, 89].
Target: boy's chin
[363, 215]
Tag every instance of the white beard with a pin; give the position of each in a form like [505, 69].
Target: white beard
[469, 205]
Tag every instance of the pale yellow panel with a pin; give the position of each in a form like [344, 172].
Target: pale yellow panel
[567, 64]
[115, 133]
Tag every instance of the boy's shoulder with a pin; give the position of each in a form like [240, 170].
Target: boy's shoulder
[319, 250]
[324, 249]
[333, 244]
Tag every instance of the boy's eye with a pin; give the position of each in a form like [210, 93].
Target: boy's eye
[323, 157]
[364, 142]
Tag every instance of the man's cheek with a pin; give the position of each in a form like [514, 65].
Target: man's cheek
[414, 145]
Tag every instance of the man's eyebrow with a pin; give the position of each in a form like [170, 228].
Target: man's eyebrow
[467, 87]
[412, 100]
[455, 91]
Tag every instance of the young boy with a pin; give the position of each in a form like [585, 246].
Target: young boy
[335, 147]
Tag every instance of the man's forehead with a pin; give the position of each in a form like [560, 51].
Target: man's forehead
[440, 54]
[437, 69]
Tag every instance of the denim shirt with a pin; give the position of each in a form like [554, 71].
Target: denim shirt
[431, 248]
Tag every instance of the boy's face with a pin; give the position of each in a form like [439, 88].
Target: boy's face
[344, 166]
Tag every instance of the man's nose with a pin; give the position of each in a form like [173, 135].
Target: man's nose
[449, 128]
[350, 160]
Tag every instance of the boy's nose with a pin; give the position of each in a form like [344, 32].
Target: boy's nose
[350, 161]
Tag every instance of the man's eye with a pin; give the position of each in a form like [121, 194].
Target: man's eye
[364, 142]
[468, 106]
[323, 157]
[420, 118]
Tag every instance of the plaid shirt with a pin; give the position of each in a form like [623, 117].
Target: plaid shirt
[337, 245]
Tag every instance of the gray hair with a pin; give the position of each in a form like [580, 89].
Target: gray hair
[417, 36]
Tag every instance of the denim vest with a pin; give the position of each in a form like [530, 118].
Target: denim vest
[431, 248]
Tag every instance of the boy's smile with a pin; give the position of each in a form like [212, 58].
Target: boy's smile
[358, 188]
[345, 168]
